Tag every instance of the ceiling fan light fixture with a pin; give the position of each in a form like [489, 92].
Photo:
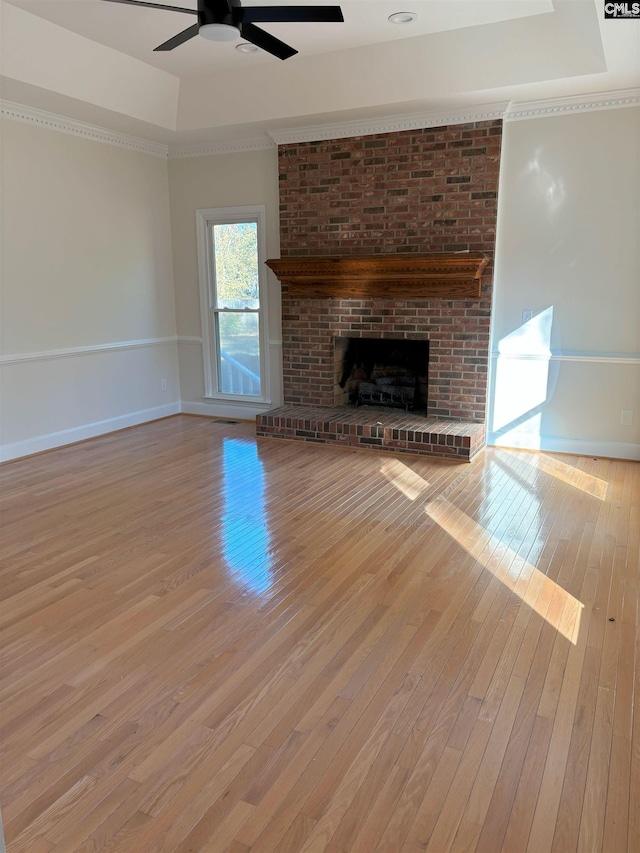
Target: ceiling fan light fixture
[219, 32]
[246, 47]
[402, 18]
[229, 20]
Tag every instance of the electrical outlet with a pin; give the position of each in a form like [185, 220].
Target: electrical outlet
[163, 384]
[626, 417]
[527, 314]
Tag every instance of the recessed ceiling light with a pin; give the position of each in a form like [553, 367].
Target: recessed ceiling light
[246, 47]
[402, 17]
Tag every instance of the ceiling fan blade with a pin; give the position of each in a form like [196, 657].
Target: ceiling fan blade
[266, 41]
[153, 5]
[290, 14]
[181, 38]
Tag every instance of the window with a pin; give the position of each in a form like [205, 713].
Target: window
[232, 297]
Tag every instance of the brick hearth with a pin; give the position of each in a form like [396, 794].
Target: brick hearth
[431, 190]
[374, 430]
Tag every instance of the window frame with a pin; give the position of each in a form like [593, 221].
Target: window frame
[206, 219]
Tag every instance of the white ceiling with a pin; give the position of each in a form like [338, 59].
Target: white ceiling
[137, 30]
[93, 61]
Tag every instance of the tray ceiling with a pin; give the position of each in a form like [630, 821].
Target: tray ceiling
[93, 61]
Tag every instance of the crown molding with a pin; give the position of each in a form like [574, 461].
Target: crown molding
[231, 146]
[394, 124]
[520, 110]
[509, 111]
[18, 112]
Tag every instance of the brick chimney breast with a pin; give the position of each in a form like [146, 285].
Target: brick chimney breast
[417, 191]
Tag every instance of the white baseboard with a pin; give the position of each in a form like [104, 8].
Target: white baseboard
[220, 409]
[579, 447]
[80, 433]
[551, 444]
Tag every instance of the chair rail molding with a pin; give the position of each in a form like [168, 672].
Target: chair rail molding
[72, 352]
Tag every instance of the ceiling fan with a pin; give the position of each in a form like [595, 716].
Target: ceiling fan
[225, 20]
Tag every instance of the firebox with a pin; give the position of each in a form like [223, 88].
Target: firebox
[385, 373]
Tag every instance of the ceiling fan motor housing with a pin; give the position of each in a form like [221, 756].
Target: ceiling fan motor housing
[216, 12]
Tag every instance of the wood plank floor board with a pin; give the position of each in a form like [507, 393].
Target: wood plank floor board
[570, 807]
[218, 643]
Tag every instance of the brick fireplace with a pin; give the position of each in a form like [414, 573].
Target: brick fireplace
[431, 190]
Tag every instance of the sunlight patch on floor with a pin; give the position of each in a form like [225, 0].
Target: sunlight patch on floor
[481, 544]
[405, 480]
[593, 486]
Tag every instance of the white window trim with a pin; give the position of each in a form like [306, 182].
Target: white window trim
[221, 216]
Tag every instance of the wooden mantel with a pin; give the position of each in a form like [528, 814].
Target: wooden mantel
[443, 275]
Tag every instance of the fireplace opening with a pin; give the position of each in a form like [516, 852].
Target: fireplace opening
[382, 373]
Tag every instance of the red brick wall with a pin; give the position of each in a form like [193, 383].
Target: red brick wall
[432, 190]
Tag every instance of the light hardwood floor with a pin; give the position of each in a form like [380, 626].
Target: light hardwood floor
[217, 644]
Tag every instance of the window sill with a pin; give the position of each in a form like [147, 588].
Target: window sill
[249, 402]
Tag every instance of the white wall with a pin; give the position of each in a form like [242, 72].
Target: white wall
[568, 250]
[88, 316]
[222, 180]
